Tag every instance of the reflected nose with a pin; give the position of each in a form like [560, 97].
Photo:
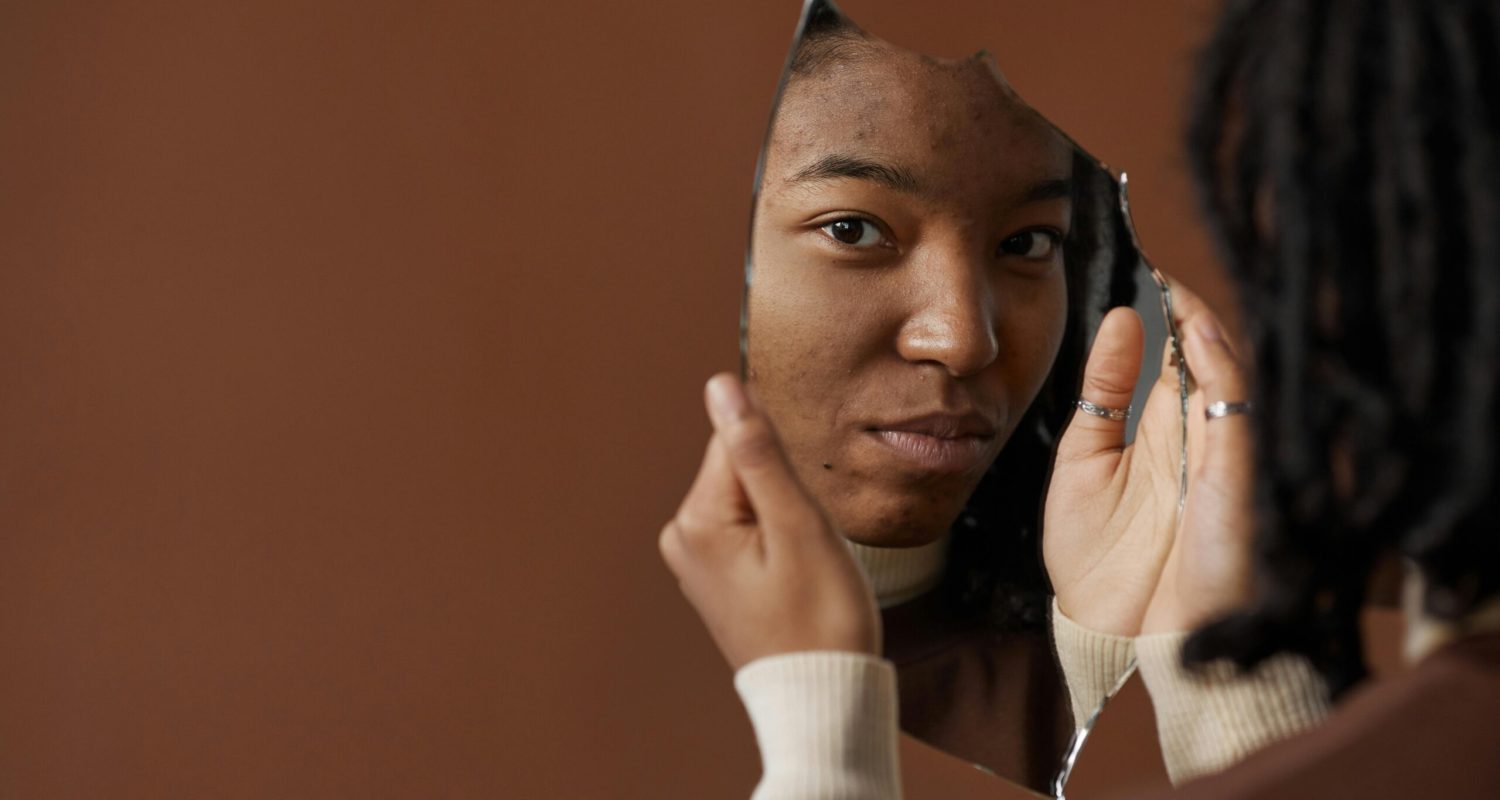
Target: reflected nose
[952, 321]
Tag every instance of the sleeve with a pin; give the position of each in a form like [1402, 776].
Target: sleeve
[1211, 718]
[1092, 663]
[826, 725]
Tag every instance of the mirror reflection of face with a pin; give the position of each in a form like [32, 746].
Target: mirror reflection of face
[908, 290]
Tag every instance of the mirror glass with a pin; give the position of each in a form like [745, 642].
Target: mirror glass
[929, 259]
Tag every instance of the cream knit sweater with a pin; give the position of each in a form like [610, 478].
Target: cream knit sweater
[827, 727]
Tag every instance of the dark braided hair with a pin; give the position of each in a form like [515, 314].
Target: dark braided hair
[1346, 155]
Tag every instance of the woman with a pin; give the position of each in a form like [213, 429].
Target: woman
[1347, 154]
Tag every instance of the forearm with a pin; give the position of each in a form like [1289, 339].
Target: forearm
[1211, 718]
[1207, 720]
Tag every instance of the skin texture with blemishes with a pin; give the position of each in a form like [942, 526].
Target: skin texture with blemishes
[953, 300]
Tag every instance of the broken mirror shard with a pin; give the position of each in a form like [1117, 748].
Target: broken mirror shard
[928, 264]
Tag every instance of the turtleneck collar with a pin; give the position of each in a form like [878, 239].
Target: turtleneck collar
[899, 574]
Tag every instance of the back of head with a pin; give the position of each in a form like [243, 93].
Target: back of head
[1346, 154]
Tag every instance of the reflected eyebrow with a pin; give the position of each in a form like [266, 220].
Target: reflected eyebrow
[1050, 189]
[841, 166]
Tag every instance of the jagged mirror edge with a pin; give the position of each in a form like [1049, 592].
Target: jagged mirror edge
[1179, 362]
[1080, 736]
[1174, 336]
[809, 8]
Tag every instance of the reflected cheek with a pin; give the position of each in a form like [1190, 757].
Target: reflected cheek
[801, 358]
[1034, 327]
[1054, 319]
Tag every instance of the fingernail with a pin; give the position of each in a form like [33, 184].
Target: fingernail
[727, 398]
[1207, 329]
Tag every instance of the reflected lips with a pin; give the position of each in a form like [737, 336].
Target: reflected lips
[938, 442]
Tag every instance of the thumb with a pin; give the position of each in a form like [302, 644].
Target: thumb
[1109, 379]
[755, 455]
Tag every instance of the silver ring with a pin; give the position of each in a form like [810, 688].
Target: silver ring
[1222, 409]
[1116, 414]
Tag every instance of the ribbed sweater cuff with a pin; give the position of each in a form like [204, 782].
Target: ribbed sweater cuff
[1092, 662]
[826, 723]
[1212, 718]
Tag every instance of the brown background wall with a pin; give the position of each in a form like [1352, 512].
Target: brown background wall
[350, 359]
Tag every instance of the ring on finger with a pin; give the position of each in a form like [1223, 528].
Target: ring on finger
[1222, 409]
[1105, 412]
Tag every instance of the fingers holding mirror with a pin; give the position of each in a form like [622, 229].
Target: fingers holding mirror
[753, 553]
[1209, 572]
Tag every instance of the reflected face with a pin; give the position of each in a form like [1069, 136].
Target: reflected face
[908, 291]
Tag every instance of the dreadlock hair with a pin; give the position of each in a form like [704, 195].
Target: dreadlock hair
[1345, 152]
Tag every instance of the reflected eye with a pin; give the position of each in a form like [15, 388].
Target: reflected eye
[853, 231]
[1036, 244]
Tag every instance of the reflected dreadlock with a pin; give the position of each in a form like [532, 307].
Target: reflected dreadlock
[1346, 155]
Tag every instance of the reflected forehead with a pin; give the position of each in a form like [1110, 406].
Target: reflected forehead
[888, 84]
[904, 121]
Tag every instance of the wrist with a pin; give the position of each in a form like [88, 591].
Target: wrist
[822, 716]
[1118, 619]
[1092, 663]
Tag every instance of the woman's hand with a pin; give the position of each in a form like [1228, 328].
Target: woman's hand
[1208, 571]
[1111, 507]
[755, 555]
[1120, 558]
